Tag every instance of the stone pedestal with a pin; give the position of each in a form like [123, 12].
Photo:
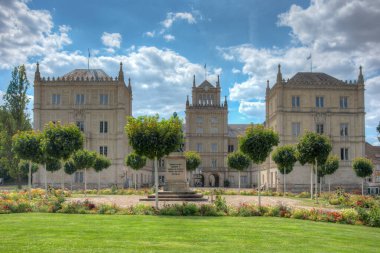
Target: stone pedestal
[175, 166]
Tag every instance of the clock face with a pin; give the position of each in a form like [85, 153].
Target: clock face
[206, 88]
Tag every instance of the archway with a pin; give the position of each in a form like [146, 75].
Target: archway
[214, 180]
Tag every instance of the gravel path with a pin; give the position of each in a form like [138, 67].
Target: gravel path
[234, 200]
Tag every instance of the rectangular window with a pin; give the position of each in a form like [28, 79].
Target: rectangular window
[79, 99]
[214, 120]
[103, 127]
[78, 177]
[80, 125]
[199, 147]
[243, 180]
[199, 120]
[296, 128]
[104, 99]
[295, 101]
[230, 148]
[344, 129]
[214, 147]
[56, 99]
[319, 102]
[213, 163]
[214, 130]
[199, 130]
[103, 150]
[344, 154]
[343, 102]
[319, 128]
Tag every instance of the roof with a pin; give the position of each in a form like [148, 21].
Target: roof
[205, 84]
[86, 73]
[311, 78]
[235, 130]
[372, 152]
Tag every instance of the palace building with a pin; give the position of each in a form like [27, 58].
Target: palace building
[320, 103]
[98, 104]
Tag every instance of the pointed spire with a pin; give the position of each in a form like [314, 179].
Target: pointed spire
[218, 83]
[268, 89]
[194, 81]
[225, 101]
[187, 101]
[37, 75]
[129, 84]
[121, 74]
[279, 75]
[360, 77]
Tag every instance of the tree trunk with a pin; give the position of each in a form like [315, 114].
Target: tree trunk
[19, 185]
[156, 180]
[284, 185]
[71, 184]
[329, 183]
[363, 186]
[46, 189]
[239, 181]
[136, 181]
[30, 180]
[85, 182]
[316, 181]
[52, 180]
[99, 182]
[311, 181]
[63, 179]
[259, 188]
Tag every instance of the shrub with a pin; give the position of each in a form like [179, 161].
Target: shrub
[108, 209]
[300, 214]
[221, 204]
[374, 217]
[208, 210]
[303, 195]
[350, 216]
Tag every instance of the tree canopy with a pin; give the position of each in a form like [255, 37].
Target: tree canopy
[153, 138]
[330, 166]
[238, 161]
[135, 161]
[24, 167]
[101, 163]
[27, 145]
[363, 167]
[313, 147]
[193, 160]
[258, 142]
[61, 141]
[69, 167]
[53, 164]
[84, 159]
[285, 158]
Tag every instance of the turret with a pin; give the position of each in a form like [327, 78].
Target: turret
[279, 75]
[37, 75]
[194, 81]
[187, 101]
[360, 77]
[217, 83]
[121, 74]
[129, 85]
[225, 101]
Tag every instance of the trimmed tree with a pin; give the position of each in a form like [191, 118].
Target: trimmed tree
[154, 139]
[52, 165]
[61, 141]
[313, 149]
[193, 160]
[330, 166]
[257, 143]
[136, 162]
[101, 163]
[285, 158]
[83, 160]
[363, 168]
[27, 146]
[24, 167]
[238, 161]
[70, 169]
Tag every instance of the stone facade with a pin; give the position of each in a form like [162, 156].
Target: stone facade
[320, 103]
[99, 105]
[207, 132]
[373, 182]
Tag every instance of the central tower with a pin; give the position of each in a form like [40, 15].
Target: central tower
[207, 132]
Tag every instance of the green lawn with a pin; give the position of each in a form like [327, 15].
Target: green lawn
[101, 233]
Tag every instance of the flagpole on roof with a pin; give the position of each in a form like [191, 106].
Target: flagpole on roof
[311, 62]
[88, 59]
[205, 67]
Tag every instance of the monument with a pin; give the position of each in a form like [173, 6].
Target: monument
[176, 186]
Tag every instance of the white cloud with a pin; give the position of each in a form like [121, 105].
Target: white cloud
[255, 109]
[172, 17]
[235, 71]
[26, 33]
[150, 34]
[169, 37]
[2, 93]
[341, 35]
[111, 40]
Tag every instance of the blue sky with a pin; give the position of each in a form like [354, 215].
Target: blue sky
[162, 44]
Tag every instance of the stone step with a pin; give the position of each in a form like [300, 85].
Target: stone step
[176, 196]
[176, 199]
